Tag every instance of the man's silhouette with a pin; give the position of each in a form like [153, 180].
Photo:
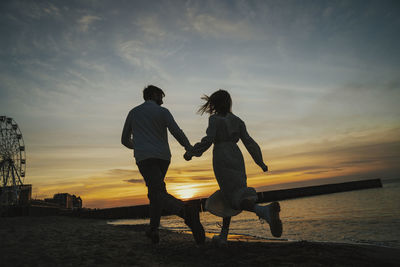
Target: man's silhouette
[145, 131]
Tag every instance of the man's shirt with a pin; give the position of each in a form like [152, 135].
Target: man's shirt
[145, 131]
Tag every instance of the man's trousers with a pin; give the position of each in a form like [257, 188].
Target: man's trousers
[153, 171]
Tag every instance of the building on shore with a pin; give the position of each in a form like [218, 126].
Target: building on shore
[66, 201]
[24, 195]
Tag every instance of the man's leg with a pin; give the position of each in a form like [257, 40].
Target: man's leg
[152, 177]
[175, 206]
[153, 172]
[170, 204]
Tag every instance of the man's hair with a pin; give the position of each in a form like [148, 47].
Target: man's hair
[150, 90]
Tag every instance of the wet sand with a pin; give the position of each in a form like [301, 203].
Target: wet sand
[65, 241]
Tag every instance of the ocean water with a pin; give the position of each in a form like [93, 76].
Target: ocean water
[370, 216]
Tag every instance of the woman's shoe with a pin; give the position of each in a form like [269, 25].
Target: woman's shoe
[270, 213]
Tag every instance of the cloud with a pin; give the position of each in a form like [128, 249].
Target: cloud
[36, 9]
[85, 22]
[210, 25]
[135, 181]
[215, 27]
[355, 162]
[52, 10]
[151, 28]
[190, 174]
[92, 66]
[185, 179]
[121, 173]
[321, 171]
[307, 168]
[155, 51]
[145, 58]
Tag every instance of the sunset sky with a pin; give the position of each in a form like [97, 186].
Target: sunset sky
[316, 82]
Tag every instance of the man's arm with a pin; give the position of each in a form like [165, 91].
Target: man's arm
[127, 134]
[176, 131]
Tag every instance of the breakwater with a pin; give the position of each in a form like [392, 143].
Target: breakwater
[142, 211]
[277, 195]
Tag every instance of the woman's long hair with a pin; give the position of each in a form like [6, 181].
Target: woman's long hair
[219, 102]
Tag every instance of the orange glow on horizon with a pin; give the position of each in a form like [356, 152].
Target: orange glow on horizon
[116, 192]
[305, 164]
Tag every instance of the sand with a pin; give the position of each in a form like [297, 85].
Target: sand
[66, 241]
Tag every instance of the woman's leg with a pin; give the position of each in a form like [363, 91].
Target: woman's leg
[221, 239]
[225, 227]
[270, 213]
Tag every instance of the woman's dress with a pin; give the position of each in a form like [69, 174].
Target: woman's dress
[229, 169]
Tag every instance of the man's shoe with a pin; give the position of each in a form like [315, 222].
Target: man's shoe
[153, 235]
[270, 213]
[193, 221]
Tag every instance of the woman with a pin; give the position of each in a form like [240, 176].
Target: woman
[224, 131]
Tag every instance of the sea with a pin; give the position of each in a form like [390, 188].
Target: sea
[368, 216]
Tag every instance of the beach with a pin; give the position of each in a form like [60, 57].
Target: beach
[68, 241]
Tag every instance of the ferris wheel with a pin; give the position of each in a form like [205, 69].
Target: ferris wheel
[12, 161]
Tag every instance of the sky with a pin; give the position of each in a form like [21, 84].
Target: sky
[316, 82]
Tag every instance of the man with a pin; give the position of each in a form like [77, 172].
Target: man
[145, 131]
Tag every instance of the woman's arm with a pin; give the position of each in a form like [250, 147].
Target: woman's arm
[205, 143]
[252, 147]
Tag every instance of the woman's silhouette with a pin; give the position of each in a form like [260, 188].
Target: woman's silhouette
[224, 131]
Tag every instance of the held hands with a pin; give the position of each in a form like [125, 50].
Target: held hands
[264, 168]
[187, 156]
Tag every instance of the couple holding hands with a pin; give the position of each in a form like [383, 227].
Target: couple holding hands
[145, 131]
